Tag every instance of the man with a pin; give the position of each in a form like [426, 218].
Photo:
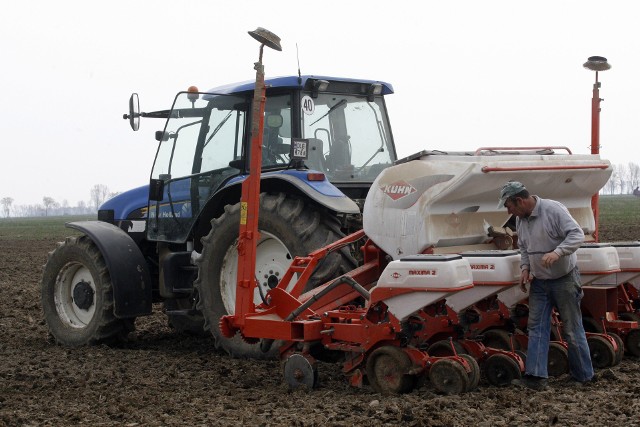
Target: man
[548, 238]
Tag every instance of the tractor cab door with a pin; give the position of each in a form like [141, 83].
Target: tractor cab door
[204, 134]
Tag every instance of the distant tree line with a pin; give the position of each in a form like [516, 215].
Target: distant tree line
[624, 179]
[99, 193]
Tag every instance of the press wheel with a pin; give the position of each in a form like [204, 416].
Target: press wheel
[387, 371]
[558, 361]
[474, 375]
[449, 377]
[620, 344]
[602, 352]
[500, 370]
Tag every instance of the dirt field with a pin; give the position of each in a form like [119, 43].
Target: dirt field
[160, 378]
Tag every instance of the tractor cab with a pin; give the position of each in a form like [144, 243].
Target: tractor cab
[203, 148]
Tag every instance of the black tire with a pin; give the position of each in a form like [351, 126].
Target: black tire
[603, 354]
[620, 350]
[475, 374]
[387, 371]
[77, 296]
[288, 228]
[500, 370]
[558, 361]
[449, 377]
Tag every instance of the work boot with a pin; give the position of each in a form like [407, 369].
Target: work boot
[532, 382]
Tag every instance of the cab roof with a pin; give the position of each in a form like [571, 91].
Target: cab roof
[292, 82]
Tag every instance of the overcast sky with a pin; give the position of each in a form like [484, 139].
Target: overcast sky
[466, 74]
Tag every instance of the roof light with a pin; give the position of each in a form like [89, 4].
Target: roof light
[319, 86]
[192, 94]
[374, 89]
[315, 176]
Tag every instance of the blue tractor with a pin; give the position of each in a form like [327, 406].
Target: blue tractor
[175, 240]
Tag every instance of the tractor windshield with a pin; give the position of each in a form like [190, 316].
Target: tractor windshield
[349, 136]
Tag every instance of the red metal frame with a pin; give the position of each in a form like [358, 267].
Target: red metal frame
[250, 203]
[602, 302]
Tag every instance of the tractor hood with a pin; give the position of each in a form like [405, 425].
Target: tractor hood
[131, 204]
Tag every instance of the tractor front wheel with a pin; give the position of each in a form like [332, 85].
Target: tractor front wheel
[77, 296]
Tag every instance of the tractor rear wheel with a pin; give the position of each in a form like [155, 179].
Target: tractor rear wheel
[288, 227]
[77, 296]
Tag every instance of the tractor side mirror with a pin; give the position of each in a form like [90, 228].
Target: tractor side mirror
[134, 112]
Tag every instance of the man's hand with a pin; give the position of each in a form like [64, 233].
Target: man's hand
[525, 278]
[549, 259]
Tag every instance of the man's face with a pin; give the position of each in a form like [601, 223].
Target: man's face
[515, 206]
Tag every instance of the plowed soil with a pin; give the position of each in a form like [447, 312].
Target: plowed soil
[161, 378]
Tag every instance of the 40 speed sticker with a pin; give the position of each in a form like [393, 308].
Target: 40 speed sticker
[308, 106]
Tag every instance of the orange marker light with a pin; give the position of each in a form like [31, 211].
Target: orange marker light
[192, 94]
[315, 176]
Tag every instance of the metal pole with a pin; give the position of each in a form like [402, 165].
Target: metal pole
[596, 63]
[250, 200]
[595, 149]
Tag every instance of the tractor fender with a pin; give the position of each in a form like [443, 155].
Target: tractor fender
[322, 192]
[130, 277]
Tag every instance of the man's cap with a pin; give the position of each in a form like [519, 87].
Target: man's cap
[510, 189]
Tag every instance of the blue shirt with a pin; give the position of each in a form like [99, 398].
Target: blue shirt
[549, 228]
